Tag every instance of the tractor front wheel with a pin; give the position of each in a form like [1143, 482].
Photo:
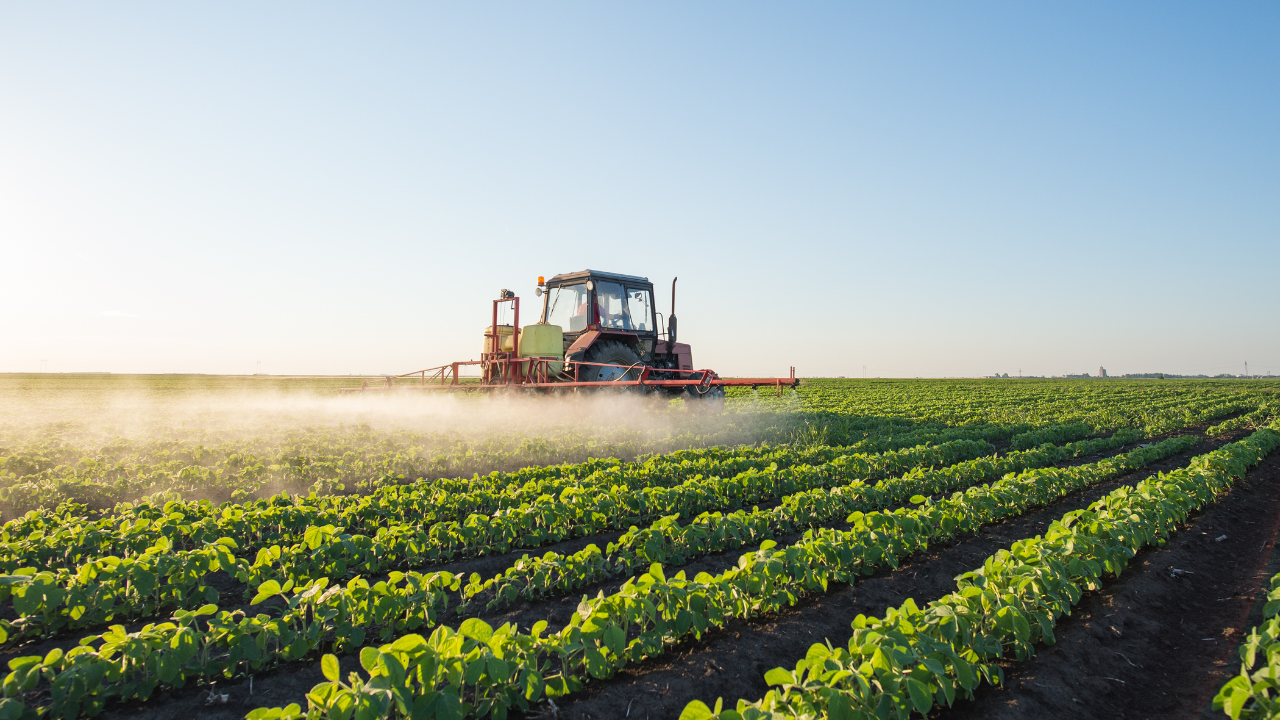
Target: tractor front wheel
[614, 353]
[710, 401]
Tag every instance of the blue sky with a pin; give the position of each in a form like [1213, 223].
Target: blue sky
[921, 189]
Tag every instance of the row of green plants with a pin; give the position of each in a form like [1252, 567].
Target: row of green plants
[1055, 434]
[914, 659]
[1261, 417]
[1255, 691]
[67, 538]
[206, 643]
[1112, 404]
[161, 579]
[479, 671]
[667, 541]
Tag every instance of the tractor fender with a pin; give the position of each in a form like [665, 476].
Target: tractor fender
[578, 350]
[682, 351]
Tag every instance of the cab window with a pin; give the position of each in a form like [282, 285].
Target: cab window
[611, 302]
[568, 306]
[640, 309]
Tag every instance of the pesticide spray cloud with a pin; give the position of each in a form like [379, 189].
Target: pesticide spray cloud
[109, 443]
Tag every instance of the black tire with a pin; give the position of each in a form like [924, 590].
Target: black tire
[710, 401]
[615, 353]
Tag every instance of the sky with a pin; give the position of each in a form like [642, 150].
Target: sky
[889, 189]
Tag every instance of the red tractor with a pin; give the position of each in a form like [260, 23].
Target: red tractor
[595, 330]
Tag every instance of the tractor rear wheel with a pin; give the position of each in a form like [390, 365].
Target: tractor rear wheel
[614, 353]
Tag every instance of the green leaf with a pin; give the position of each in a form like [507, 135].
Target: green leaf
[395, 669]
[329, 666]
[476, 629]
[838, 708]
[964, 673]
[169, 667]
[597, 666]
[409, 644]
[499, 670]
[920, 695]
[144, 580]
[917, 499]
[268, 589]
[344, 703]
[369, 658]
[449, 707]
[1021, 629]
[655, 571]
[780, 676]
[696, 710]
[474, 672]
[12, 709]
[616, 638]
[880, 661]
[27, 600]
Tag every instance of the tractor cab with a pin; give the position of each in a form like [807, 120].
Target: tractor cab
[593, 307]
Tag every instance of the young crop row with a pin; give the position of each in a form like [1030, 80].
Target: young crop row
[480, 671]
[1109, 405]
[160, 579]
[1255, 692]
[669, 542]
[1261, 417]
[66, 538]
[915, 658]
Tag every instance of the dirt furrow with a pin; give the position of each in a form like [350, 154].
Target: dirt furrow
[1154, 643]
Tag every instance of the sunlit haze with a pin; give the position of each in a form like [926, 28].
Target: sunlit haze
[898, 190]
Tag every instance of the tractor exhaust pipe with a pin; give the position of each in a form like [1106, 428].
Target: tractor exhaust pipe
[671, 323]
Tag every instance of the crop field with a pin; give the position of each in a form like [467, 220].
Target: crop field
[264, 547]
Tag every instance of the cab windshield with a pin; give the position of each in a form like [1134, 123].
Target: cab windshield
[624, 308]
[568, 307]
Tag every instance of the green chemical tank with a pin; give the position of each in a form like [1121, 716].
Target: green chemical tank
[543, 340]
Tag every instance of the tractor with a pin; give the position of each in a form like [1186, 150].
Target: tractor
[596, 331]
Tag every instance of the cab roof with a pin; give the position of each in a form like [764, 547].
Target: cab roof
[584, 274]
